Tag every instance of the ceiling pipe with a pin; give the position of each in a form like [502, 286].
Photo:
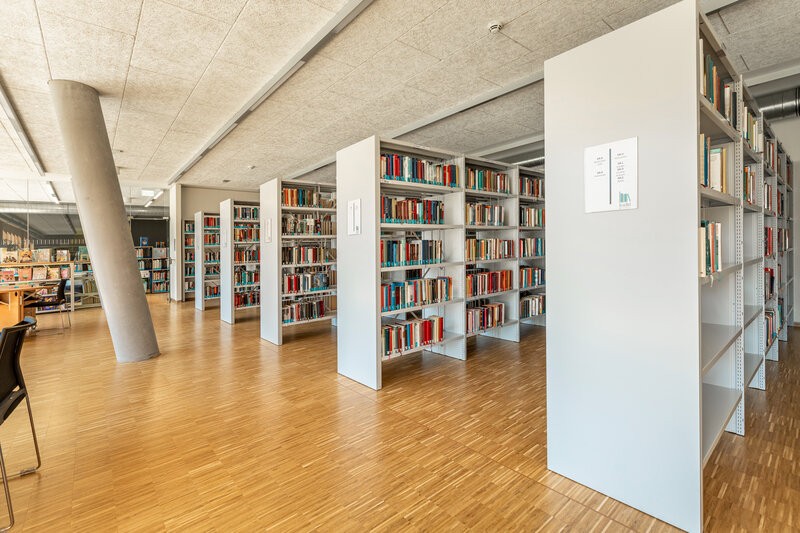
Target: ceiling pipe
[47, 208]
[780, 105]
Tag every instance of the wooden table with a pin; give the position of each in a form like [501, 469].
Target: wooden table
[12, 303]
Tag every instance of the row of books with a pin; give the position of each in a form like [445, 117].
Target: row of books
[412, 211]
[770, 283]
[397, 295]
[188, 255]
[211, 222]
[414, 170]
[211, 291]
[211, 256]
[315, 280]
[211, 238]
[162, 275]
[488, 249]
[242, 276]
[769, 203]
[770, 154]
[188, 241]
[188, 285]
[39, 273]
[531, 247]
[481, 281]
[405, 253]
[752, 133]
[411, 334]
[246, 234]
[39, 255]
[144, 253]
[483, 316]
[308, 225]
[710, 242]
[212, 269]
[770, 325]
[720, 94]
[299, 311]
[784, 239]
[531, 217]
[143, 265]
[160, 286]
[716, 165]
[246, 299]
[749, 185]
[780, 199]
[488, 180]
[530, 186]
[245, 213]
[300, 197]
[250, 255]
[480, 214]
[769, 247]
[531, 277]
[530, 306]
[307, 254]
[159, 264]
[188, 271]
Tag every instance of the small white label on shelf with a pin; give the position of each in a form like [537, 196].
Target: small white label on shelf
[354, 217]
[610, 176]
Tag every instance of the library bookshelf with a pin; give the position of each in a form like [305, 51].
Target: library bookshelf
[299, 261]
[187, 251]
[153, 268]
[532, 246]
[461, 255]
[43, 273]
[83, 274]
[240, 246]
[206, 259]
[680, 343]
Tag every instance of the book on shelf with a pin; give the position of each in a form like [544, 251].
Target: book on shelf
[245, 213]
[211, 256]
[531, 247]
[399, 295]
[7, 276]
[25, 256]
[307, 197]
[530, 306]
[42, 255]
[481, 281]
[488, 180]
[718, 92]
[394, 252]
[293, 224]
[250, 255]
[24, 274]
[482, 214]
[751, 133]
[307, 254]
[532, 217]
[770, 325]
[769, 247]
[749, 185]
[531, 186]
[188, 227]
[62, 255]
[210, 222]
[211, 238]
[247, 234]
[246, 299]
[531, 277]
[243, 276]
[312, 280]
[54, 272]
[779, 202]
[211, 291]
[411, 211]
[784, 239]
[398, 167]
[483, 316]
[39, 273]
[770, 154]
[411, 334]
[781, 316]
[769, 204]
[488, 249]
[710, 247]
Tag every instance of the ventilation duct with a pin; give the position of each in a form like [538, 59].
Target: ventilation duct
[533, 162]
[783, 104]
[47, 208]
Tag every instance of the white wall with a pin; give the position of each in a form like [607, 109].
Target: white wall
[203, 199]
[788, 132]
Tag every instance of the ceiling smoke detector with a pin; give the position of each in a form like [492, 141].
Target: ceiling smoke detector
[495, 26]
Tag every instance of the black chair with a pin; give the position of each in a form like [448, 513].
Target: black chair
[61, 302]
[12, 392]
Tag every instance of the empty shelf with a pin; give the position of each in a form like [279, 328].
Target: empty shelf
[719, 403]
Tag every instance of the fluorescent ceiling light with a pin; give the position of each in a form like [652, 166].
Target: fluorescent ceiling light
[148, 192]
[158, 194]
[149, 203]
[8, 109]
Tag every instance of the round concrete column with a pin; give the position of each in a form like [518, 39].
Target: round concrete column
[103, 218]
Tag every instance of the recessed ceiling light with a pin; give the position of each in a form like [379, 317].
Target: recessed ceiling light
[495, 26]
[148, 192]
[250, 167]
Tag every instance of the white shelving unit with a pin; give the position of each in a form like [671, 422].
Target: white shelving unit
[206, 273]
[288, 226]
[187, 250]
[638, 400]
[240, 243]
[536, 201]
[784, 250]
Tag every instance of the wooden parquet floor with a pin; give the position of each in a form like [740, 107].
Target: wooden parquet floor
[225, 432]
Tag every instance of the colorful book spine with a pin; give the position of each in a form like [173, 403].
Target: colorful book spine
[769, 283]
[530, 186]
[304, 310]
[252, 255]
[246, 234]
[244, 277]
[749, 185]
[303, 197]
[211, 256]
[770, 325]
[314, 280]
[414, 170]
[211, 291]
[531, 247]
[530, 277]
[307, 225]
[242, 213]
[769, 247]
[531, 217]
[485, 316]
[530, 306]
[211, 238]
[395, 253]
[246, 299]
[291, 255]
[210, 222]
[710, 247]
